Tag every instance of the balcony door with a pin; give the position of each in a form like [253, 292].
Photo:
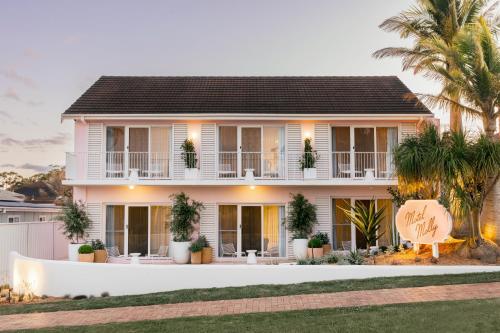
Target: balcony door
[364, 150]
[138, 149]
[251, 149]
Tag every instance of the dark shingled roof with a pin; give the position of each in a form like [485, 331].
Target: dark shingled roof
[224, 94]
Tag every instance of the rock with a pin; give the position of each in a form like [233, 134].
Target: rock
[487, 252]
[434, 260]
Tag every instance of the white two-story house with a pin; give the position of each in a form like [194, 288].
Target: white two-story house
[249, 135]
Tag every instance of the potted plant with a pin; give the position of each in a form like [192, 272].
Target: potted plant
[300, 222]
[190, 160]
[308, 160]
[315, 248]
[325, 241]
[196, 249]
[76, 223]
[185, 213]
[367, 220]
[100, 254]
[85, 253]
[207, 252]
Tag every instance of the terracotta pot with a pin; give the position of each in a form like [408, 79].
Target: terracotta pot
[196, 257]
[314, 253]
[100, 256]
[86, 257]
[206, 255]
[327, 248]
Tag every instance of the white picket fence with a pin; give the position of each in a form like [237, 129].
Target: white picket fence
[43, 240]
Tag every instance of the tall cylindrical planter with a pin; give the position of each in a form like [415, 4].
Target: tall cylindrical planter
[181, 252]
[300, 248]
[206, 255]
[73, 251]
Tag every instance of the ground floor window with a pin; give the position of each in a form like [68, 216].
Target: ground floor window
[14, 219]
[252, 227]
[347, 237]
[138, 229]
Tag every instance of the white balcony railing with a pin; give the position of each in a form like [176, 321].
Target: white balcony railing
[230, 165]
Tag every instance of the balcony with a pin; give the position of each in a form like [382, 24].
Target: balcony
[226, 167]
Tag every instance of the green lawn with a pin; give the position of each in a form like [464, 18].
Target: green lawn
[250, 292]
[455, 316]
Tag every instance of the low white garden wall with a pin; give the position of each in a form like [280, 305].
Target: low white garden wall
[59, 278]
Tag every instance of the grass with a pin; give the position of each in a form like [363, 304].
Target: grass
[212, 294]
[451, 316]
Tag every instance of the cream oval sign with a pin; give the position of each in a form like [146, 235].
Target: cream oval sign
[423, 222]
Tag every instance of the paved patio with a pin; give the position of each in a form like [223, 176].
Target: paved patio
[249, 305]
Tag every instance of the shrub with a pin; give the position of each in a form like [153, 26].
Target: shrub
[309, 157]
[314, 243]
[97, 244]
[202, 239]
[301, 216]
[322, 236]
[188, 154]
[331, 258]
[310, 261]
[383, 248]
[185, 213]
[355, 258]
[76, 221]
[85, 249]
[195, 247]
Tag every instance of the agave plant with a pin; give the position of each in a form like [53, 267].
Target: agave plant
[367, 220]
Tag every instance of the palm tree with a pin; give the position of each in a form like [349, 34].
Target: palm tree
[455, 168]
[476, 76]
[432, 23]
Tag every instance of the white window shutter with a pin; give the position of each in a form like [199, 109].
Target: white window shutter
[95, 231]
[208, 226]
[95, 142]
[294, 150]
[407, 130]
[323, 213]
[321, 145]
[208, 151]
[180, 132]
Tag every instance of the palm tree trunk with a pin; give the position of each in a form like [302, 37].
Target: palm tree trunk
[475, 217]
[490, 127]
[455, 114]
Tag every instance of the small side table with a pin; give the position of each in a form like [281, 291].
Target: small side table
[369, 174]
[251, 258]
[135, 258]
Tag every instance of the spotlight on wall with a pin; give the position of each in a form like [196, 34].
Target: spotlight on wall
[252, 187]
[307, 135]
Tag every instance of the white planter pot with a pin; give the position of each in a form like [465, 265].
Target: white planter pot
[310, 173]
[181, 253]
[190, 173]
[73, 251]
[300, 248]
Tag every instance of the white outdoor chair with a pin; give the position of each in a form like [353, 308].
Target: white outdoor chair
[273, 251]
[113, 251]
[155, 169]
[346, 245]
[229, 250]
[226, 171]
[114, 169]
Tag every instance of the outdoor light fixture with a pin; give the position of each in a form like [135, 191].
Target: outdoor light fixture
[307, 135]
[252, 187]
[193, 136]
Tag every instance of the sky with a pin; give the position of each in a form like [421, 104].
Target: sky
[52, 51]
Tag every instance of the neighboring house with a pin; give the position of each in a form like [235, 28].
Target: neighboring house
[128, 157]
[14, 209]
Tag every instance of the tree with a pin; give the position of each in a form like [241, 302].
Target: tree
[185, 213]
[455, 168]
[10, 180]
[301, 216]
[476, 76]
[76, 220]
[433, 24]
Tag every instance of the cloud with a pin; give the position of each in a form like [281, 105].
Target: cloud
[5, 114]
[71, 39]
[36, 144]
[26, 166]
[31, 53]
[13, 75]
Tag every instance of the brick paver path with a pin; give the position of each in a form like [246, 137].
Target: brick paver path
[248, 305]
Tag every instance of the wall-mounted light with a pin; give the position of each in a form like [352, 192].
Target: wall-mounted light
[193, 136]
[252, 187]
[307, 135]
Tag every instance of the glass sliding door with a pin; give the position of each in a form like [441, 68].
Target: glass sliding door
[138, 147]
[387, 140]
[341, 152]
[387, 229]
[115, 152]
[115, 229]
[159, 160]
[251, 149]
[159, 237]
[251, 228]
[364, 150]
[138, 230]
[274, 233]
[342, 228]
[228, 230]
[273, 152]
[228, 152]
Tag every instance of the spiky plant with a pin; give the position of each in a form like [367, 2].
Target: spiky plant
[367, 220]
